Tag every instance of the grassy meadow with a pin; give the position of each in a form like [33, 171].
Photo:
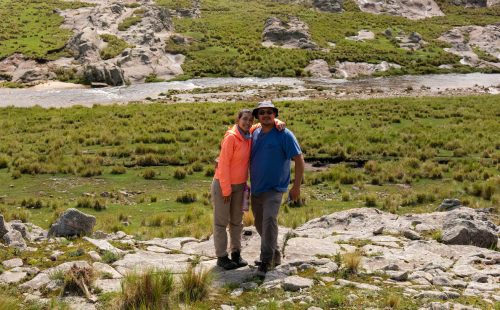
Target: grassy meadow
[227, 38]
[146, 168]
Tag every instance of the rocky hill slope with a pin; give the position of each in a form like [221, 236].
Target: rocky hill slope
[119, 42]
[440, 260]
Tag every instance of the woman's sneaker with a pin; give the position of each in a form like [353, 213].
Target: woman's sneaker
[236, 258]
[226, 263]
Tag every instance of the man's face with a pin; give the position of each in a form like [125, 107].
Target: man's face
[266, 116]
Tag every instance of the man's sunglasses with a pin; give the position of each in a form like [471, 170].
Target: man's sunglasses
[269, 112]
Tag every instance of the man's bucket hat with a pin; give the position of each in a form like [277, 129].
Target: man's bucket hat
[264, 104]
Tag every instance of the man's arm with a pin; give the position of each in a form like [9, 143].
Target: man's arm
[299, 174]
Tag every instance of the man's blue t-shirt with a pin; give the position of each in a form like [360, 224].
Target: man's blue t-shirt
[270, 160]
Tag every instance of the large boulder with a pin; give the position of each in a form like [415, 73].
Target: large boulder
[449, 204]
[328, 5]
[85, 45]
[416, 9]
[73, 223]
[291, 34]
[104, 73]
[466, 227]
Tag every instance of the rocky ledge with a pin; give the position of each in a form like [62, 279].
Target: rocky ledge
[443, 255]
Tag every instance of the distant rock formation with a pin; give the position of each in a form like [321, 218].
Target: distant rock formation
[291, 34]
[476, 3]
[467, 38]
[411, 9]
[349, 69]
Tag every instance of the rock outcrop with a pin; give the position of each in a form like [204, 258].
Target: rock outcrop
[464, 40]
[318, 68]
[3, 226]
[476, 3]
[355, 69]
[144, 57]
[400, 250]
[328, 5]
[417, 9]
[73, 223]
[291, 34]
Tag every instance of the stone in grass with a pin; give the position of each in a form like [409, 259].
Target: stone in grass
[449, 204]
[13, 238]
[412, 235]
[73, 223]
[248, 286]
[12, 263]
[296, 283]
[39, 281]
[397, 275]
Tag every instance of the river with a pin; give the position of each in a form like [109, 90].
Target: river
[66, 97]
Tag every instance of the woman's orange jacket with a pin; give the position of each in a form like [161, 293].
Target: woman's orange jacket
[234, 159]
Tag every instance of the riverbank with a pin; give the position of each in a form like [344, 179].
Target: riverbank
[54, 94]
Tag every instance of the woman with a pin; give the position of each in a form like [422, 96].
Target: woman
[227, 189]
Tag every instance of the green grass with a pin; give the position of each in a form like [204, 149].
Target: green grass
[115, 46]
[227, 38]
[409, 155]
[31, 27]
[131, 20]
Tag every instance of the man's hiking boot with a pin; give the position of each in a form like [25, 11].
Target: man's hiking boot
[236, 258]
[276, 259]
[226, 263]
[262, 270]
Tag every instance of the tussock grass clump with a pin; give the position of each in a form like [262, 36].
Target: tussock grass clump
[32, 204]
[149, 174]
[132, 20]
[9, 303]
[195, 284]
[336, 299]
[179, 174]
[118, 170]
[150, 290]
[186, 198]
[370, 200]
[86, 203]
[352, 262]
[109, 257]
[248, 219]
[393, 301]
[4, 163]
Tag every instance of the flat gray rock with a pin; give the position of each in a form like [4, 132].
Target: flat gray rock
[107, 270]
[144, 260]
[9, 277]
[296, 283]
[362, 286]
[39, 281]
[108, 285]
[12, 263]
[104, 245]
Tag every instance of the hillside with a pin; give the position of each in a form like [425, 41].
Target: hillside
[144, 41]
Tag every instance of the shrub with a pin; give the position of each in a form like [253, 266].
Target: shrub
[186, 198]
[149, 174]
[352, 262]
[131, 20]
[179, 174]
[78, 280]
[86, 203]
[88, 172]
[149, 290]
[346, 196]
[195, 285]
[118, 170]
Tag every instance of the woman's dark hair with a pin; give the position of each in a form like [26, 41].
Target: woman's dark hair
[241, 112]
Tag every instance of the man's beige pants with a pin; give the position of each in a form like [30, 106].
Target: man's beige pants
[227, 214]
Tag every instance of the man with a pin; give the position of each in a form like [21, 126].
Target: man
[272, 151]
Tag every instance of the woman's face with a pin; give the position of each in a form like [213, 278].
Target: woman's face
[245, 122]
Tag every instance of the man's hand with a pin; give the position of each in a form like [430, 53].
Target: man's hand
[227, 199]
[295, 193]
